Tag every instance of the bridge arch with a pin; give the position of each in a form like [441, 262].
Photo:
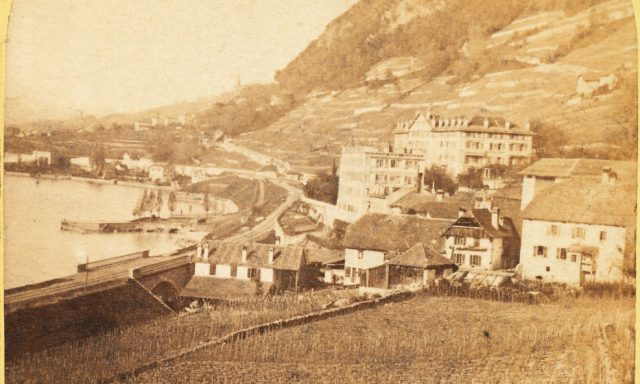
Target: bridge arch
[168, 293]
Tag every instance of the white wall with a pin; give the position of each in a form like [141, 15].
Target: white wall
[243, 272]
[487, 256]
[266, 275]
[223, 270]
[369, 259]
[203, 269]
[608, 261]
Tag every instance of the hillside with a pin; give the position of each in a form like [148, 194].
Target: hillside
[518, 60]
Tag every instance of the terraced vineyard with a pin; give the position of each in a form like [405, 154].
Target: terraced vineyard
[538, 59]
[426, 340]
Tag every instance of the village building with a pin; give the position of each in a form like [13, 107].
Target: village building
[582, 229]
[160, 172]
[419, 266]
[550, 171]
[229, 271]
[482, 239]
[377, 238]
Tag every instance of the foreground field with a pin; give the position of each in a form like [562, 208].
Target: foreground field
[107, 354]
[431, 340]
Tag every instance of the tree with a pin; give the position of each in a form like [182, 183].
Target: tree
[439, 179]
[140, 206]
[472, 178]
[206, 201]
[323, 187]
[150, 203]
[159, 202]
[172, 202]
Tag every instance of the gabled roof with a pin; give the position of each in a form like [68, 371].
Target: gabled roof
[557, 167]
[427, 204]
[289, 257]
[382, 232]
[420, 256]
[585, 201]
[478, 224]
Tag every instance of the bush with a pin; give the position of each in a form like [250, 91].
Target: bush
[438, 178]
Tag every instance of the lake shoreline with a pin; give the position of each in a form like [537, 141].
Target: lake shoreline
[90, 180]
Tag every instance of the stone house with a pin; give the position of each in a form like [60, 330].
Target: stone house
[581, 231]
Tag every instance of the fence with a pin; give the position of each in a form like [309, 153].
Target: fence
[504, 294]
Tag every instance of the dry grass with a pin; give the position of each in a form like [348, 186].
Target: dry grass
[126, 348]
[428, 340]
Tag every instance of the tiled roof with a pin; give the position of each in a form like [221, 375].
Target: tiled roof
[427, 204]
[478, 224]
[585, 201]
[420, 256]
[557, 167]
[289, 257]
[394, 232]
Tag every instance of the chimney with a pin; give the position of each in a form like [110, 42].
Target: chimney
[199, 250]
[486, 123]
[608, 176]
[461, 212]
[205, 256]
[507, 125]
[439, 195]
[527, 126]
[277, 240]
[495, 217]
[244, 253]
[271, 255]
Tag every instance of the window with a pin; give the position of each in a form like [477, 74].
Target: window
[360, 254]
[459, 240]
[539, 250]
[253, 273]
[548, 269]
[476, 242]
[553, 230]
[459, 258]
[475, 260]
[578, 233]
[574, 257]
[393, 163]
[212, 269]
[603, 235]
[561, 253]
[234, 271]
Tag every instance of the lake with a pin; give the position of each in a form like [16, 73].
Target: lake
[35, 249]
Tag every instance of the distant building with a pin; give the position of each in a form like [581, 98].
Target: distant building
[198, 175]
[433, 206]
[368, 175]
[160, 172]
[45, 157]
[377, 238]
[579, 228]
[457, 144]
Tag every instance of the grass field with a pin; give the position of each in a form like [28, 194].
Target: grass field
[126, 348]
[431, 340]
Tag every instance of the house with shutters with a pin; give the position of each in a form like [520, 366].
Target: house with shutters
[377, 238]
[581, 230]
[483, 239]
[228, 271]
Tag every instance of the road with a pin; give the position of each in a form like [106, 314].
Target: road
[263, 228]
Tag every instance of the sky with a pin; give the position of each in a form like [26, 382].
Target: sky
[125, 56]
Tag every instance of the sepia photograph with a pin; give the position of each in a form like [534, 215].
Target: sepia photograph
[319, 191]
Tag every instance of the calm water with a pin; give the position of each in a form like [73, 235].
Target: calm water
[35, 249]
